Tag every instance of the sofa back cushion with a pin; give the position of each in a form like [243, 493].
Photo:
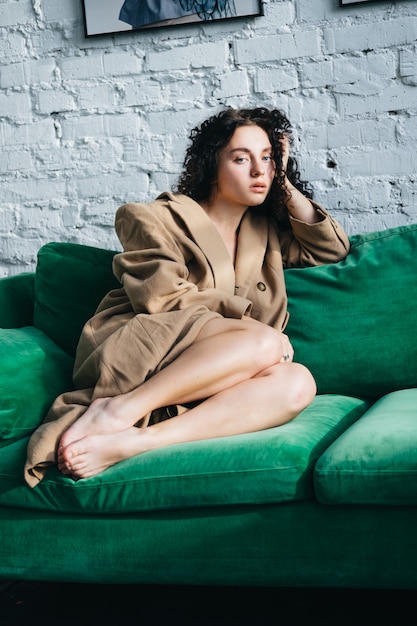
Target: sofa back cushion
[354, 323]
[70, 281]
[33, 371]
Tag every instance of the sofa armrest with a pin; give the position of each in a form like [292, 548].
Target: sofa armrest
[17, 294]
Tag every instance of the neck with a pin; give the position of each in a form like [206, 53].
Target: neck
[224, 217]
[227, 224]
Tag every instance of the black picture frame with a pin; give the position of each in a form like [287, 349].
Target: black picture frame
[102, 17]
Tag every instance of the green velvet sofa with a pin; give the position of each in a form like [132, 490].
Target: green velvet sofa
[328, 500]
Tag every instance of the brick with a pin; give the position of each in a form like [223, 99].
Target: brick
[15, 160]
[315, 137]
[8, 220]
[394, 162]
[39, 218]
[20, 252]
[62, 10]
[16, 13]
[280, 13]
[409, 128]
[233, 84]
[84, 126]
[408, 62]
[34, 190]
[361, 132]
[39, 71]
[144, 91]
[112, 186]
[26, 134]
[99, 97]
[12, 75]
[349, 70]
[276, 79]
[53, 159]
[126, 125]
[376, 99]
[16, 106]
[184, 93]
[409, 200]
[344, 198]
[371, 35]
[161, 181]
[316, 107]
[167, 122]
[182, 57]
[277, 47]
[12, 48]
[82, 68]
[122, 64]
[55, 100]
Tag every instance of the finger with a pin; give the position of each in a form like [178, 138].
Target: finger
[285, 151]
[288, 350]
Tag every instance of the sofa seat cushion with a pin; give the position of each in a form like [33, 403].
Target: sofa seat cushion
[33, 371]
[351, 321]
[274, 465]
[375, 460]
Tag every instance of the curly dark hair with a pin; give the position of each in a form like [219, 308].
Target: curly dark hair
[208, 139]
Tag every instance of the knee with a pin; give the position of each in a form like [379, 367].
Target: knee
[267, 345]
[302, 388]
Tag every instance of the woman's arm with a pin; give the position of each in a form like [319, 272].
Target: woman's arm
[315, 237]
[297, 204]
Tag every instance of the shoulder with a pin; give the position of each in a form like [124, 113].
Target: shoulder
[165, 203]
[167, 216]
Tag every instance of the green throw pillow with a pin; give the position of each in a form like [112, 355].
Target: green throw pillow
[70, 281]
[354, 323]
[33, 371]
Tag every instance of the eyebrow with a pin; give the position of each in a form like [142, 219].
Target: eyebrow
[268, 149]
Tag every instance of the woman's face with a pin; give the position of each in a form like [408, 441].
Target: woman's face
[246, 168]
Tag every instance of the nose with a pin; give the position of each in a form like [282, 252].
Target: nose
[257, 168]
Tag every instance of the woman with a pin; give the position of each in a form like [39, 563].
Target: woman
[192, 346]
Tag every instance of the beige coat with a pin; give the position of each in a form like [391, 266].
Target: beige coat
[176, 274]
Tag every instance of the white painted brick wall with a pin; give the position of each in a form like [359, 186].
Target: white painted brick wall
[87, 124]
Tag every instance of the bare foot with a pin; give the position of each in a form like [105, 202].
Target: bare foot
[102, 417]
[93, 454]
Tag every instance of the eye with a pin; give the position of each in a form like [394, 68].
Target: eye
[268, 157]
[240, 159]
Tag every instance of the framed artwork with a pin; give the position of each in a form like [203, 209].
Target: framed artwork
[103, 17]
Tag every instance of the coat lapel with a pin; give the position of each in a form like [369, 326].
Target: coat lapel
[251, 248]
[207, 238]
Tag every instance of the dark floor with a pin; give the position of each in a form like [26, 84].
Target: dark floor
[62, 604]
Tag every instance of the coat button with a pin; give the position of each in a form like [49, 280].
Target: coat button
[261, 286]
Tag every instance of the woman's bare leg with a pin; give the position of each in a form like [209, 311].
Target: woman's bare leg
[225, 352]
[269, 399]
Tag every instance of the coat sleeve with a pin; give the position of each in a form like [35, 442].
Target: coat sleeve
[154, 272]
[314, 244]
